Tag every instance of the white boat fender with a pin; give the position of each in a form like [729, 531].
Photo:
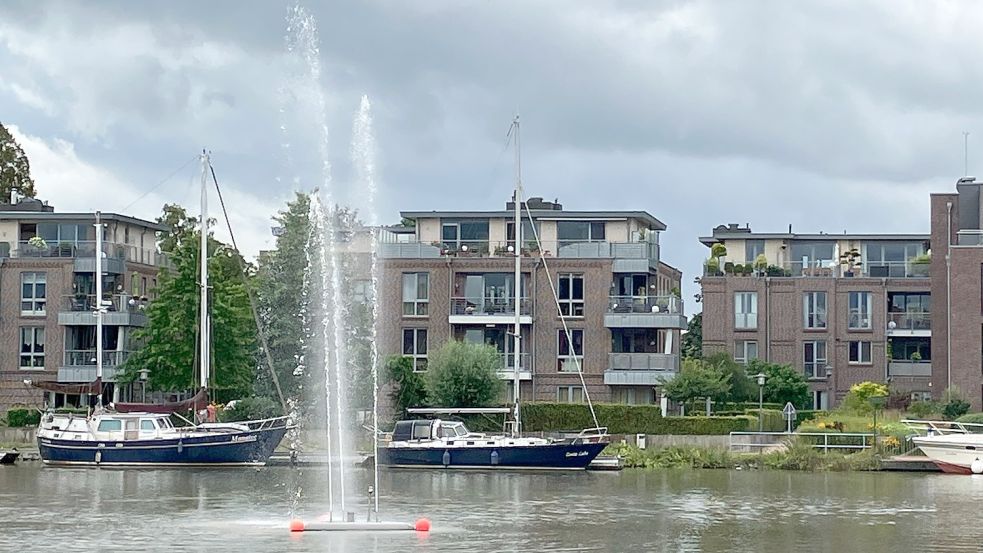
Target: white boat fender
[977, 466]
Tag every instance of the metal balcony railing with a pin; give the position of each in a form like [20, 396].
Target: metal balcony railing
[911, 320]
[552, 248]
[825, 269]
[87, 357]
[665, 305]
[489, 306]
[508, 362]
[901, 367]
[643, 362]
[112, 303]
[84, 248]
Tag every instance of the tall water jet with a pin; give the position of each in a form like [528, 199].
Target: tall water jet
[363, 156]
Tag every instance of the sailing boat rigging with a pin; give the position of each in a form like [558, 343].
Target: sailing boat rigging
[134, 434]
[449, 444]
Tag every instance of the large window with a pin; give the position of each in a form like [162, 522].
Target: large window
[859, 353]
[528, 236]
[415, 347]
[752, 249]
[860, 310]
[814, 359]
[32, 347]
[889, 259]
[487, 294]
[811, 258]
[814, 310]
[745, 310]
[459, 233]
[569, 394]
[65, 232]
[33, 294]
[571, 295]
[569, 356]
[745, 351]
[572, 232]
[416, 294]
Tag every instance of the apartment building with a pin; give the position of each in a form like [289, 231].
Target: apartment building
[450, 276]
[48, 296]
[841, 308]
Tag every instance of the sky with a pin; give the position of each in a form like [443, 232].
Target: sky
[827, 116]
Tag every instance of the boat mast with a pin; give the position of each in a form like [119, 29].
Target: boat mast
[517, 284]
[100, 308]
[203, 257]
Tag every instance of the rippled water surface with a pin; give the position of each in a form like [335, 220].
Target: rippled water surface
[54, 509]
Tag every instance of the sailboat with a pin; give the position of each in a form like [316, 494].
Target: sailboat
[435, 443]
[134, 434]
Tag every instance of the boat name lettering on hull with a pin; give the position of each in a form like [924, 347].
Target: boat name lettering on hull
[241, 439]
[577, 454]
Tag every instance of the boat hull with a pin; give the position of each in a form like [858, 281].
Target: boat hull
[225, 449]
[561, 456]
[954, 456]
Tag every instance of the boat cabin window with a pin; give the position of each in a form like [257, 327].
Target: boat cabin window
[421, 430]
[147, 424]
[403, 431]
[452, 430]
[110, 425]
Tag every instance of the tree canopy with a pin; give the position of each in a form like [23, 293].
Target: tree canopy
[698, 379]
[15, 169]
[783, 383]
[461, 374]
[692, 341]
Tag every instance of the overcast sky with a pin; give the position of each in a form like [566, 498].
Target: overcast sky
[829, 116]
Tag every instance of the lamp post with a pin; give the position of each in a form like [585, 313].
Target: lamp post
[144, 375]
[829, 387]
[761, 395]
[876, 402]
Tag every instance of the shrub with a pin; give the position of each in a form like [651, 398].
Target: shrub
[925, 409]
[772, 420]
[972, 418]
[408, 388]
[18, 417]
[955, 409]
[461, 374]
[627, 419]
[860, 396]
[250, 408]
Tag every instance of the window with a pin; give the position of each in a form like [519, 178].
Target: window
[814, 309]
[860, 353]
[569, 394]
[630, 395]
[415, 347]
[572, 232]
[745, 310]
[860, 310]
[33, 292]
[456, 234]
[110, 425]
[362, 291]
[571, 295]
[811, 258]
[143, 286]
[820, 400]
[888, 259]
[416, 294]
[32, 347]
[745, 351]
[752, 249]
[147, 424]
[567, 357]
[921, 396]
[814, 359]
[126, 235]
[529, 234]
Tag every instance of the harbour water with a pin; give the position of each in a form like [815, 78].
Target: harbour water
[58, 510]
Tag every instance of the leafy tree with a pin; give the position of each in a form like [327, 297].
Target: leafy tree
[15, 169]
[742, 388]
[783, 383]
[859, 397]
[408, 387]
[697, 379]
[461, 374]
[170, 341]
[692, 341]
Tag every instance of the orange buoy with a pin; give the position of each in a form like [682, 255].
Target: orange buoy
[422, 525]
[297, 525]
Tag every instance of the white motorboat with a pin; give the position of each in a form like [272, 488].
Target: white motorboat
[955, 447]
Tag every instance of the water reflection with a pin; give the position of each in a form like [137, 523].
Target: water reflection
[247, 510]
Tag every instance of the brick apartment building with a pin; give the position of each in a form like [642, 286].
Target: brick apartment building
[47, 296]
[451, 277]
[844, 308]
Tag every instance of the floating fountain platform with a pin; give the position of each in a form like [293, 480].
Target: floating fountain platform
[422, 525]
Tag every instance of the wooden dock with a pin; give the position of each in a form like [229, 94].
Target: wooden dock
[909, 463]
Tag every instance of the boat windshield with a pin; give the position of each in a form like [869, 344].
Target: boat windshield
[453, 430]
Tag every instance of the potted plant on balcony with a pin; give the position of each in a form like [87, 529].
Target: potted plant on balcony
[37, 243]
[920, 264]
[760, 264]
[728, 268]
[915, 357]
[713, 267]
[849, 260]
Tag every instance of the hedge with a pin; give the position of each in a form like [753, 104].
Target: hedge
[23, 417]
[627, 419]
[772, 420]
[972, 418]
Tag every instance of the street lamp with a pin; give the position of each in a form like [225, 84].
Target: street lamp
[761, 395]
[829, 387]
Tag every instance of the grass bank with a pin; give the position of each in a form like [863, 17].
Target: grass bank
[795, 457]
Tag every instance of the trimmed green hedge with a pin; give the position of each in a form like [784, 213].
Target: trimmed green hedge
[972, 418]
[627, 419]
[772, 420]
[23, 417]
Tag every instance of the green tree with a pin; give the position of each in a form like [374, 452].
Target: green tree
[408, 389]
[170, 341]
[859, 397]
[15, 169]
[461, 374]
[697, 379]
[692, 341]
[742, 388]
[783, 383]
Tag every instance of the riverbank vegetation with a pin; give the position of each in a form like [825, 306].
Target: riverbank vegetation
[791, 456]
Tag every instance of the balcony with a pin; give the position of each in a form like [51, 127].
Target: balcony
[898, 367]
[629, 257]
[645, 312]
[84, 254]
[489, 310]
[911, 323]
[80, 365]
[121, 310]
[508, 367]
[640, 369]
[826, 269]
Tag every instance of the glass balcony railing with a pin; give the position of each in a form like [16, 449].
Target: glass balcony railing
[666, 305]
[112, 303]
[83, 248]
[87, 357]
[556, 248]
[911, 320]
[824, 269]
[489, 306]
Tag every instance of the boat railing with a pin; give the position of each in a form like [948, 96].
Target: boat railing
[938, 428]
[265, 424]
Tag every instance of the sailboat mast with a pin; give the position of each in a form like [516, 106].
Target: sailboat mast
[517, 285]
[203, 333]
[99, 307]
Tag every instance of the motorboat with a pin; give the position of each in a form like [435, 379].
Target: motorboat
[955, 447]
